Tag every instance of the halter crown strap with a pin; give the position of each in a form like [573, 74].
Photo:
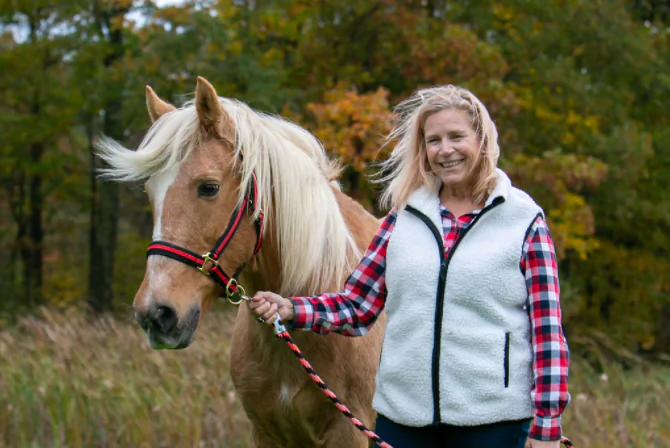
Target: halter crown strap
[208, 263]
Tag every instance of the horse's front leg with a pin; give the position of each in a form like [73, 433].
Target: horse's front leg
[263, 440]
[343, 433]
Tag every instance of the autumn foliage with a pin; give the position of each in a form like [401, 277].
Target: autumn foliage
[578, 89]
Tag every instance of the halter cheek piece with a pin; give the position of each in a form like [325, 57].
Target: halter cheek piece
[208, 263]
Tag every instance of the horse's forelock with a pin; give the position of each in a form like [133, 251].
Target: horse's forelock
[167, 144]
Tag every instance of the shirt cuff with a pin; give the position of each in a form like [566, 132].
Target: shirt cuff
[303, 313]
[546, 428]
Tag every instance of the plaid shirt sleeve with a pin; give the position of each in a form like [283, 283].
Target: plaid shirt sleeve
[551, 356]
[354, 310]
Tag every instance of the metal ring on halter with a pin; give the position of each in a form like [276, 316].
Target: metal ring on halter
[235, 297]
[261, 320]
[207, 257]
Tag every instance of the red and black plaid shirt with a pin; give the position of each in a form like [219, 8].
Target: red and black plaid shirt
[355, 309]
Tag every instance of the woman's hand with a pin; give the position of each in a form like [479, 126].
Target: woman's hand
[532, 443]
[266, 305]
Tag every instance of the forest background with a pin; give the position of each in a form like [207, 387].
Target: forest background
[579, 90]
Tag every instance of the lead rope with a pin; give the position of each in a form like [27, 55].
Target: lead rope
[565, 441]
[282, 333]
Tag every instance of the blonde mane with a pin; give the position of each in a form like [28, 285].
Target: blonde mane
[295, 180]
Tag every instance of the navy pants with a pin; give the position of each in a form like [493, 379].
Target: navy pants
[510, 434]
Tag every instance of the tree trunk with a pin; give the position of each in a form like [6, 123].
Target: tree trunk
[27, 204]
[104, 211]
[105, 197]
[33, 255]
[16, 193]
[662, 343]
[104, 219]
[31, 244]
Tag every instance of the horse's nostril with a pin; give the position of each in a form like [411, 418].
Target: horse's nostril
[142, 319]
[164, 318]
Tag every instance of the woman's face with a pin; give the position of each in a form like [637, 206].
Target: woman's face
[452, 147]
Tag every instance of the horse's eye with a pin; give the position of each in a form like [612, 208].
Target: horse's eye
[208, 190]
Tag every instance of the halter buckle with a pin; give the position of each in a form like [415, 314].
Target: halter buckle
[207, 257]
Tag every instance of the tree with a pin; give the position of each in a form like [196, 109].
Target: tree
[97, 66]
[36, 112]
[352, 127]
[589, 82]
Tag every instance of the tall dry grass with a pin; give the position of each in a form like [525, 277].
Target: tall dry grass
[68, 381]
[616, 406]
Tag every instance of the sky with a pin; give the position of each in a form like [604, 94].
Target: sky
[162, 3]
[20, 30]
[136, 16]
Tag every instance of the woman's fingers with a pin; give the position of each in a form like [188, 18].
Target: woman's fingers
[267, 296]
[265, 304]
[270, 315]
[262, 308]
[254, 304]
[262, 295]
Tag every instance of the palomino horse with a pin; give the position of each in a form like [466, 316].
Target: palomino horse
[216, 165]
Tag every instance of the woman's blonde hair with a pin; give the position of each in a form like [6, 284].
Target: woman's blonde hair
[407, 166]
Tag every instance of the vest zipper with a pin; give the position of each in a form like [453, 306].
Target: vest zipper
[441, 287]
[506, 361]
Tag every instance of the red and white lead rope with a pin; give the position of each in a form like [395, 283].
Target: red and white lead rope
[282, 333]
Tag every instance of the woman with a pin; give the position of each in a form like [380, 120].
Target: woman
[474, 353]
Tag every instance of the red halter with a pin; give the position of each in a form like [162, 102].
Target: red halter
[200, 261]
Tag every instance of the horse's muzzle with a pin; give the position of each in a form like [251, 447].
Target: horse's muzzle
[164, 329]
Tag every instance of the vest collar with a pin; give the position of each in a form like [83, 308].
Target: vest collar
[502, 188]
[427, 199]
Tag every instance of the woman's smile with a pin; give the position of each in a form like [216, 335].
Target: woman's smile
[451, 164]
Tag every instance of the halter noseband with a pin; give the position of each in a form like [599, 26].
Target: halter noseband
[233, 289]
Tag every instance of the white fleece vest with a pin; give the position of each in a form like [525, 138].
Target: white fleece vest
[485, 353]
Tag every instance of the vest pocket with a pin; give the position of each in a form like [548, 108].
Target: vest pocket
[506, 360]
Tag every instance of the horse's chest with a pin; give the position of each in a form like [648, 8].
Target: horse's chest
[288, 414]
[285, 395]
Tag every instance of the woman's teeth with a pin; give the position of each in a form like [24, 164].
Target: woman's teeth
[450, 164]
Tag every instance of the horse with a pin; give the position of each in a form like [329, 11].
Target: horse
[215, 164]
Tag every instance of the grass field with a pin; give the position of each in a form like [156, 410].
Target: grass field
[67, 381]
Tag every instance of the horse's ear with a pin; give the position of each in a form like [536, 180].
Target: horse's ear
[213, 117]
[157, 107]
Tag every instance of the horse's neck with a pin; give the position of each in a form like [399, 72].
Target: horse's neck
[265, 275]
[266, 272]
